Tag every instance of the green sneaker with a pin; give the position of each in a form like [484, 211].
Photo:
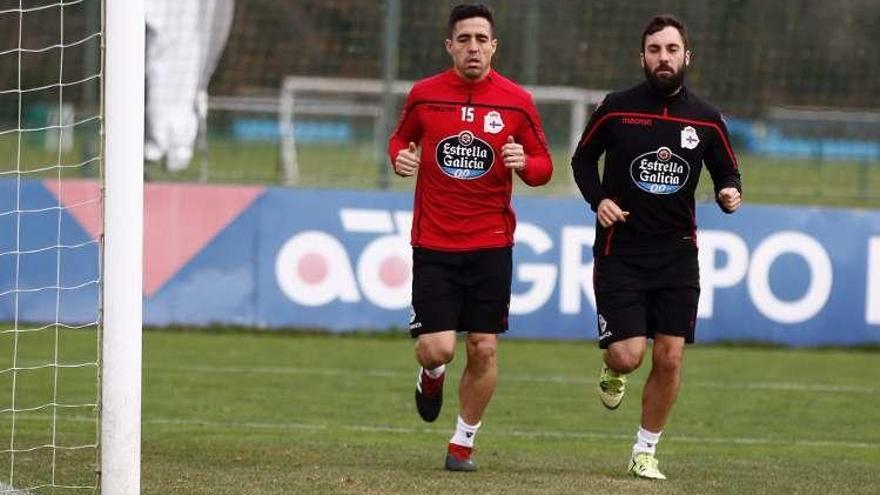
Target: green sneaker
[644, 465]
[611, 387]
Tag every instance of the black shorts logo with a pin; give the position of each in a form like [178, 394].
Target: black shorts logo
[413, 323]
[660, 171]
[603, 328]
[465, 156]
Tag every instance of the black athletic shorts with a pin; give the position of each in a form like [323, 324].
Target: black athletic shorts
[646, 294]
[467, 291]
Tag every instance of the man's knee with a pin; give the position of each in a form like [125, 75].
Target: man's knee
[482, 350]
[432, 352]
[623, 362]
[668, 360]
[624, 356]
[668, 357]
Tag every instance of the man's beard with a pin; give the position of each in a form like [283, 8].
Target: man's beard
[666, 86]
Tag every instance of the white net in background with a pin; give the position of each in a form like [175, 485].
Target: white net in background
[50, 221]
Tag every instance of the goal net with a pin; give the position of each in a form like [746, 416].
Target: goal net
[55, 237]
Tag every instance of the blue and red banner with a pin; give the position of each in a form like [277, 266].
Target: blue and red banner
[281, 258]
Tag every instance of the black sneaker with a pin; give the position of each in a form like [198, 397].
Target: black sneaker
[429, 395]
[458, 458]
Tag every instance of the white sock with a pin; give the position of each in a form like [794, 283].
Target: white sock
[646, 441]
[465, 433]
[436, 372]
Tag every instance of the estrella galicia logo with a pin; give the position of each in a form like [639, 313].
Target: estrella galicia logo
[660, 172]
[465, 156]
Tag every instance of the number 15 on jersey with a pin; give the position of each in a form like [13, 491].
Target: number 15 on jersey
[467, 114]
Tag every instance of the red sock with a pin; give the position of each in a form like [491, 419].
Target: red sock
[432, 387]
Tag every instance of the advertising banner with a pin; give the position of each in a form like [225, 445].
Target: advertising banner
[341, 260]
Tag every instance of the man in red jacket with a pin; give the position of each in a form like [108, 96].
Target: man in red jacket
[463, 133]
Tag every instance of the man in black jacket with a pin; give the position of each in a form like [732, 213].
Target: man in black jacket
[655, 137]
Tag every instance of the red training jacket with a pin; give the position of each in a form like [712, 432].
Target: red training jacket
[462, 195]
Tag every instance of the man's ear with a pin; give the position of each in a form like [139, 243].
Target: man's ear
[687, 58]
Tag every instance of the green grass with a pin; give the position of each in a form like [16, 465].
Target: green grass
[34, 387]
[233, 413]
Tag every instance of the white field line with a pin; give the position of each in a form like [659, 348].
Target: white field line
[564, 435]
[518, 433]
[516, 377]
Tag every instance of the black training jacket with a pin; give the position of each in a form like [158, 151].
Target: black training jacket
[655, 147]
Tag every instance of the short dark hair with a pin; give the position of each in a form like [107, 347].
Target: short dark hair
[660, 22]
[466, 11]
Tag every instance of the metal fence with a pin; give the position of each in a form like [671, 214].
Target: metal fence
[798, 80]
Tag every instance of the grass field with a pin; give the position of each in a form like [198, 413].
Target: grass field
[246, 413]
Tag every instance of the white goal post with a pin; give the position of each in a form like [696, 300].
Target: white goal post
[123, 247]
[293, 88]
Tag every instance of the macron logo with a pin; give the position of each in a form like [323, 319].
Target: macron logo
[636, 121]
